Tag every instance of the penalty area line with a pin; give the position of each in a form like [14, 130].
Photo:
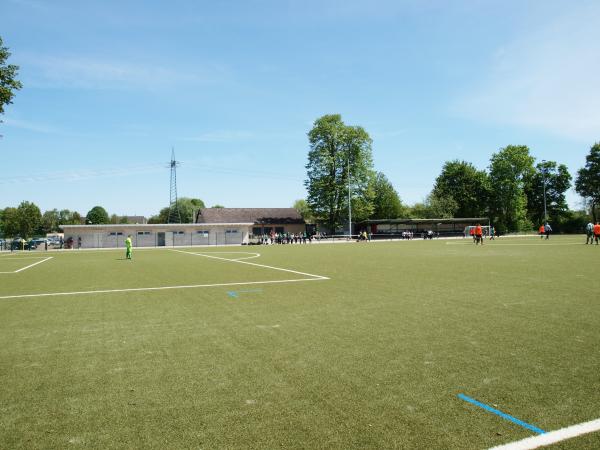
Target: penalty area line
[30, 265]
[34, 264]
[552, 437]
[158, 288]
[316, 277]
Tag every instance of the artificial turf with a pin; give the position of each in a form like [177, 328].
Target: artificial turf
[372, 357]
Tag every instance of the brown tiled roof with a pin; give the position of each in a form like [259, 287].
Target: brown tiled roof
[254, 215]
[136, 219]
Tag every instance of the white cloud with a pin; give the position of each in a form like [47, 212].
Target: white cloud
[43, 128]
[89, 73]
[547, 79]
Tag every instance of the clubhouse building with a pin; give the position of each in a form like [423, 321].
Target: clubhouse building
[213, 226]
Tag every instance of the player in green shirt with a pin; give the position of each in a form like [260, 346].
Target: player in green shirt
[128, 247]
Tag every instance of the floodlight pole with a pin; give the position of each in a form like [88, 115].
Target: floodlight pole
[544, 186]
[349, 200]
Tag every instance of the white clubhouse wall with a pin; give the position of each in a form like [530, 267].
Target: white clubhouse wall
[157, 235]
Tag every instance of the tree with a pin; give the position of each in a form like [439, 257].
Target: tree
[29, 219]
[587, 183]
[97, 215]
[50, 221]
[460, 182]
[114, 219]
[558, 181]
[10, 222]
[433, 208]
[440, 207]
[8, 78]
[338, 151]
[386, 203]
[66, 217]
[304, 210]
[76, 218]
[217, 206]
[510, 168]
[188, 209]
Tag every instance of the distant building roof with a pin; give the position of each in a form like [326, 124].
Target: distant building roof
[254, 215]
[136, 219]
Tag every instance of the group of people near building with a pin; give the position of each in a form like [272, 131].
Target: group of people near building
[286, 238]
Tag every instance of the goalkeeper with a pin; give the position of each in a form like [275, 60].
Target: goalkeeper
[128, 247]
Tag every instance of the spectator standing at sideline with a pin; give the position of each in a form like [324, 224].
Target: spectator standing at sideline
[597, 232]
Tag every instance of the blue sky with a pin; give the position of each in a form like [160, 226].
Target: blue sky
[234, 86]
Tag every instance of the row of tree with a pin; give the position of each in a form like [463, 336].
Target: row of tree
[27, 220]
[511, 192]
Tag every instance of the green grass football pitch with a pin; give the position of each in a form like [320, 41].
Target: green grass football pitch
[358, 345]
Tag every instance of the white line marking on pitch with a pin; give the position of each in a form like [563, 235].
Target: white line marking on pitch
[552, 437]
[159, 288]
[253, 255]
[516, 245]
[319, 277]
[193, 286]
[30, 265]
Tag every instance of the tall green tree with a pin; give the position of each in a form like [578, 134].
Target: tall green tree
[466, 186]
[10, 222]
[8, 78]
[97, 215]
[66, 217]
[29, 218]
[340, 157]
[386, 201]
[587, 183]
[50, 221]
[304, 210]
[510, 169]
[558, 181]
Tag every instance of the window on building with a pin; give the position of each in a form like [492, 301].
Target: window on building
[202, 233]
[116, 233]
[144, 233]
[178, 232]
[231, 231]
[278, 230]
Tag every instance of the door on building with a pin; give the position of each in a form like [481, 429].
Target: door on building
[160, 238]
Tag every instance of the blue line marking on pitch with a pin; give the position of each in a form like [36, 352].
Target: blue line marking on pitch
[234, 294]
[501, 414]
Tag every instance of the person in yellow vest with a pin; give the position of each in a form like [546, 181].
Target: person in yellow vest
[542, 231]
[128, 246]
